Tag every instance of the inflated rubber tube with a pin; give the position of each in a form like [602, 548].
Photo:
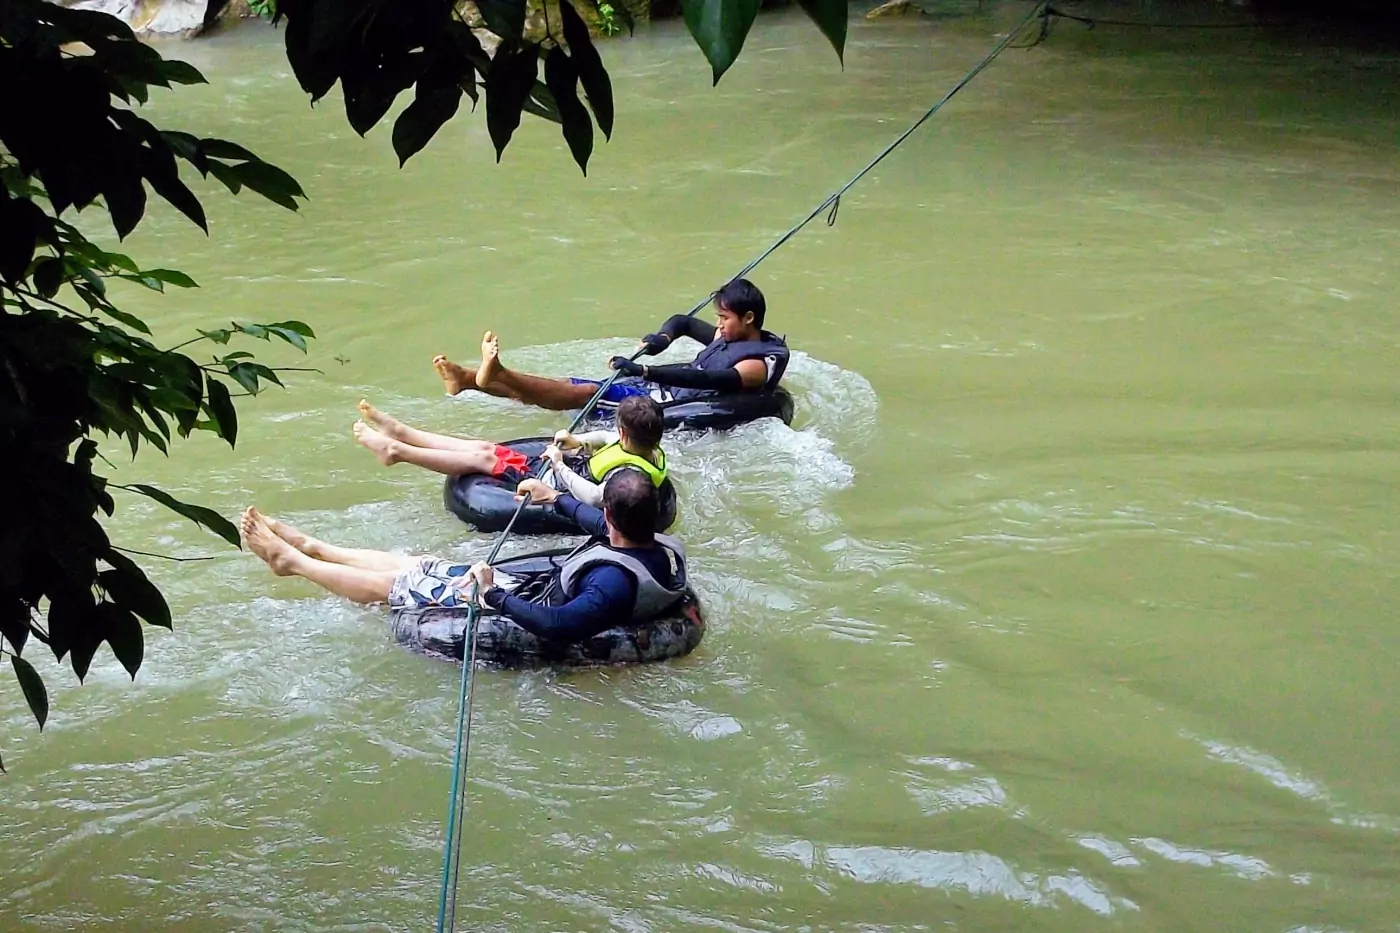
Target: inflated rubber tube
[487, 503]
[718, 412]
[502, 643]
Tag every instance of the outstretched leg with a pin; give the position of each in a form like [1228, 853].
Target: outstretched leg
[363, 558]
[399, 431]
[540, 391]
[446, 462]
[355, 584]
[457, 378]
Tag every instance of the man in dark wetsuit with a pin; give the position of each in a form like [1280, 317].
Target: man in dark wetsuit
[626, 573]
[739, 356]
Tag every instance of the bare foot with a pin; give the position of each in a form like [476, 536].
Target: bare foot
[382, 422]
[490, 360]
[276, 553]
[454, 378]
[297, 539]
[381, 446]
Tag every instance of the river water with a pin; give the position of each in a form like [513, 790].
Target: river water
[1067, 603]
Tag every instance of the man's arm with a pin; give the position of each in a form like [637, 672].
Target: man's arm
[679, 325]
[582, 489]
[605, 598]
[585, 516]
[745, 374]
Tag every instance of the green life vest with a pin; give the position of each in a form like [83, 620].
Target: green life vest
[611, 457]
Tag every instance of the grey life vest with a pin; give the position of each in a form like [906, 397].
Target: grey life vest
[723, 355]
[652, 597]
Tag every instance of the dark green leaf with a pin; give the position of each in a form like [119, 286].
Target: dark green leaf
[506, 18]
[178, 72]
[508, 83]
[218, 336]
[123, 632]
[227, 174]
[270, 182]
[171, 277]
[128, 586]
[14, 621]
[422, 119]
[830, 17]
[143, 280]
[33, 686]
[719, 28]
[188, 148]
[222, 412]
[591, 73]
[130, 320]
[245, 375]
[48, 276]
[291, 336]
[562, 79]
[126, 202]
[201, 516]
[252, 330]
[223, 149]
[178, 194]
[296, 326]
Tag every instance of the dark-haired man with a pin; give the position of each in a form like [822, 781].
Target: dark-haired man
[739, 356]
[627, 573]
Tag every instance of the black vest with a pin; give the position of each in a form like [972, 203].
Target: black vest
[723, 355]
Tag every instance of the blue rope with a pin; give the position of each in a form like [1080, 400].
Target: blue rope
[452, 850]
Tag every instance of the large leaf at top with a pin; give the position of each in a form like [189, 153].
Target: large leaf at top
[512, 76]
[830, 17]
[562, 78]
[719, 28]
[196, 513]
[591, 73]
[33, 686]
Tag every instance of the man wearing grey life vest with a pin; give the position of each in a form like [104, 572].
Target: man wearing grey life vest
[738, 356]
[626, 573]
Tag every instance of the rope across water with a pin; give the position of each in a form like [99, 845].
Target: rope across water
[452, 850]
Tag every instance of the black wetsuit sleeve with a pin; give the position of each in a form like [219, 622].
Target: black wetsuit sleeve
[605, 598]
[687, 325]
[685, 376]
[585, 516]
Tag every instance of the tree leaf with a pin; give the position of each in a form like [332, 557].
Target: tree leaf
[122, 631]
[126, 202]
[830, 17]
[205, 518]
[35, 694]
[188, 148]
[178, 194]
[508, 82]
[128, 586]
[421, 119]
[178, 72]
[222, 412]
[591, 73]
[228, 174]
[130, 320]
[270, 182]
[223, 149]
[296, 326]
[291, 336]
[49, 275]
[506, 18]
[719, 28]
[562, 78]
[217, 336]
[171, 277]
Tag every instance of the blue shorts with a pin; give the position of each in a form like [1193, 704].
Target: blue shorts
[625, 387]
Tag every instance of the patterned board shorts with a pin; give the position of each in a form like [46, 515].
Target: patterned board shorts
[437, 583]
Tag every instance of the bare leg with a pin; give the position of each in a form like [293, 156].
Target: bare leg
[446, 462]
[355, 584]
[399, 431]
[457, 379]
[542, 392]
[363, 558]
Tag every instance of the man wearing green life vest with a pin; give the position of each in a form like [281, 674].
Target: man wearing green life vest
[579, 463]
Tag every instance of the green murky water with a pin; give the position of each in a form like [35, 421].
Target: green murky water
[1067, 603]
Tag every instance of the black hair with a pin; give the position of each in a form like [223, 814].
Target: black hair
[641, 418]
[742, 296]
[631, 503]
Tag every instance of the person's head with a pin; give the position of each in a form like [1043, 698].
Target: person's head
[630, 504]
[739, 310]
[640, 422]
